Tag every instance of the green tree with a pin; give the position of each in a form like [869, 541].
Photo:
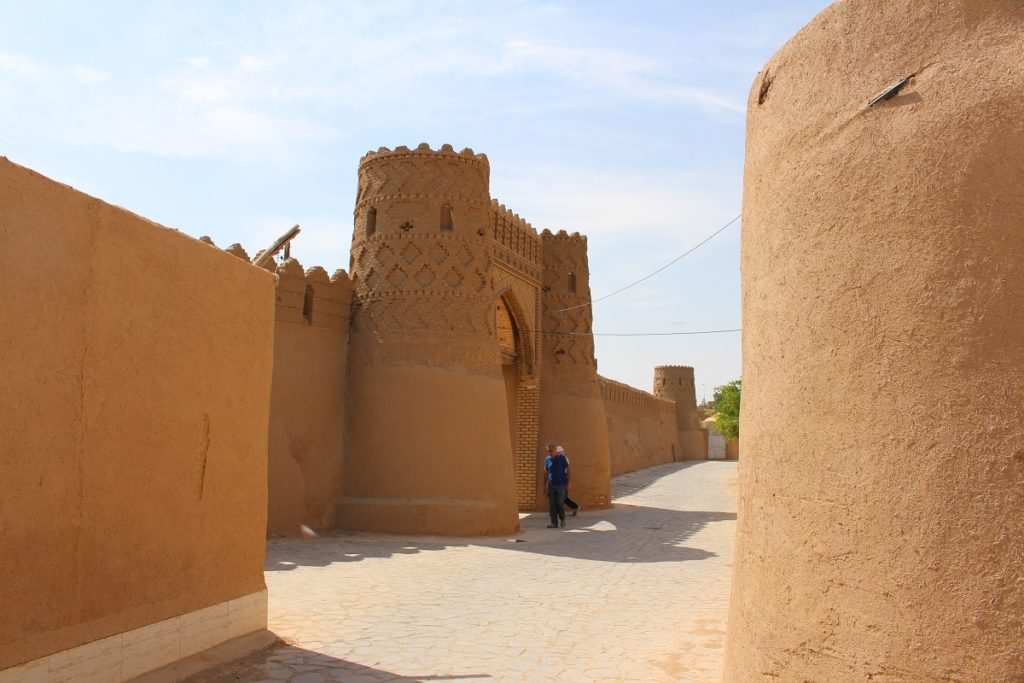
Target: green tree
[727, 409]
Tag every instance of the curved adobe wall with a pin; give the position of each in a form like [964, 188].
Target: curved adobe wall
[427, 444]
[571, 406]
[675, 383]
[882, 276]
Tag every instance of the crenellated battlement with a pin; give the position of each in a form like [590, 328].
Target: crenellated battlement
[506, 214]
[673, 381]
[563, 236]
[519, 238]
[422, 190]
[625, 394]
[311, 297]
[424, 150]
[304, 296]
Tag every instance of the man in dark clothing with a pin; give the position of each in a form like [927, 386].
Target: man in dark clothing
[569, 502]
[557, 485]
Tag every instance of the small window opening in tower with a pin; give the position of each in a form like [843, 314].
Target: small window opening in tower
[371, 221]
[307, 305]
[447, 224]
[572, 282]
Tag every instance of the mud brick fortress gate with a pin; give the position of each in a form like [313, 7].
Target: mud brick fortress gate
[468, 346]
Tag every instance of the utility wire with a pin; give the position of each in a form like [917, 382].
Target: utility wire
[621, 334]
[648, 277]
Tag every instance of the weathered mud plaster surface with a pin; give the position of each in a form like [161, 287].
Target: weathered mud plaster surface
[135, 366]
[307, 408]
[881, 262]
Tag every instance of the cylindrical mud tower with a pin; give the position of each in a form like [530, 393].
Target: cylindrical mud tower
[571, 406]
[427, 447]
[675, 383]
[881, 517]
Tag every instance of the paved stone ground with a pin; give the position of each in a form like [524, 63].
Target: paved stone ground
[636, 593]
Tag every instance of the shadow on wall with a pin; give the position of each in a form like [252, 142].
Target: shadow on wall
[286, 662]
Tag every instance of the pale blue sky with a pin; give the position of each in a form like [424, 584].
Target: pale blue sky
[623, 121]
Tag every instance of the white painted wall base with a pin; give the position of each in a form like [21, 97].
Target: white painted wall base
[126, 655]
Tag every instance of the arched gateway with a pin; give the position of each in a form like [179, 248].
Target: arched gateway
[516, 335]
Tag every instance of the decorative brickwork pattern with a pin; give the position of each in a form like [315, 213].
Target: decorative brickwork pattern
[568, 344]
[518, 247]
[523, 298]
[525, 450]
[424, 273]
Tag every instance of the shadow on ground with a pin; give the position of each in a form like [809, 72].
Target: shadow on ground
[635, 482]
[284, 662]
[624, 533]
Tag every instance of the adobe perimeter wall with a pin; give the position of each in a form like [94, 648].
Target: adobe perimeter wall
[136, 368]
[641, 428]
[881, 261]
[307, 415]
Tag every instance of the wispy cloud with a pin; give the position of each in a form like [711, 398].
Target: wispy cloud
[662, 202]
[28, 69]
[617, 71]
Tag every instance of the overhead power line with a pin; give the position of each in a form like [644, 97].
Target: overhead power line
[641, 334]
[625, 334]
[648, 277]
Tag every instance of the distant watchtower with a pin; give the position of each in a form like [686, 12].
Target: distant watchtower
[675, 383]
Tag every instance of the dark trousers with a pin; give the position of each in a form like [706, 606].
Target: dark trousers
[570, 503]
[556, 502]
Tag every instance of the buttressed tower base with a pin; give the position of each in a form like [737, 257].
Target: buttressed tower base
[572, 408]
[880, 521]
[427, 447]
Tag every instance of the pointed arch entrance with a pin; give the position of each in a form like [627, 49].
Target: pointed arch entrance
[522, 392]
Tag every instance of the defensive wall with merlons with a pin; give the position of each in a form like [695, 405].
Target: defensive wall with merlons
[458, 307]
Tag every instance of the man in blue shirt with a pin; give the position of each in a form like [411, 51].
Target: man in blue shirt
[557, 485]
[569, 502]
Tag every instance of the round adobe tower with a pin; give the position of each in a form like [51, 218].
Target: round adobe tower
[427, 445]
[675, 383]
[571, 407]
[881, 273]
